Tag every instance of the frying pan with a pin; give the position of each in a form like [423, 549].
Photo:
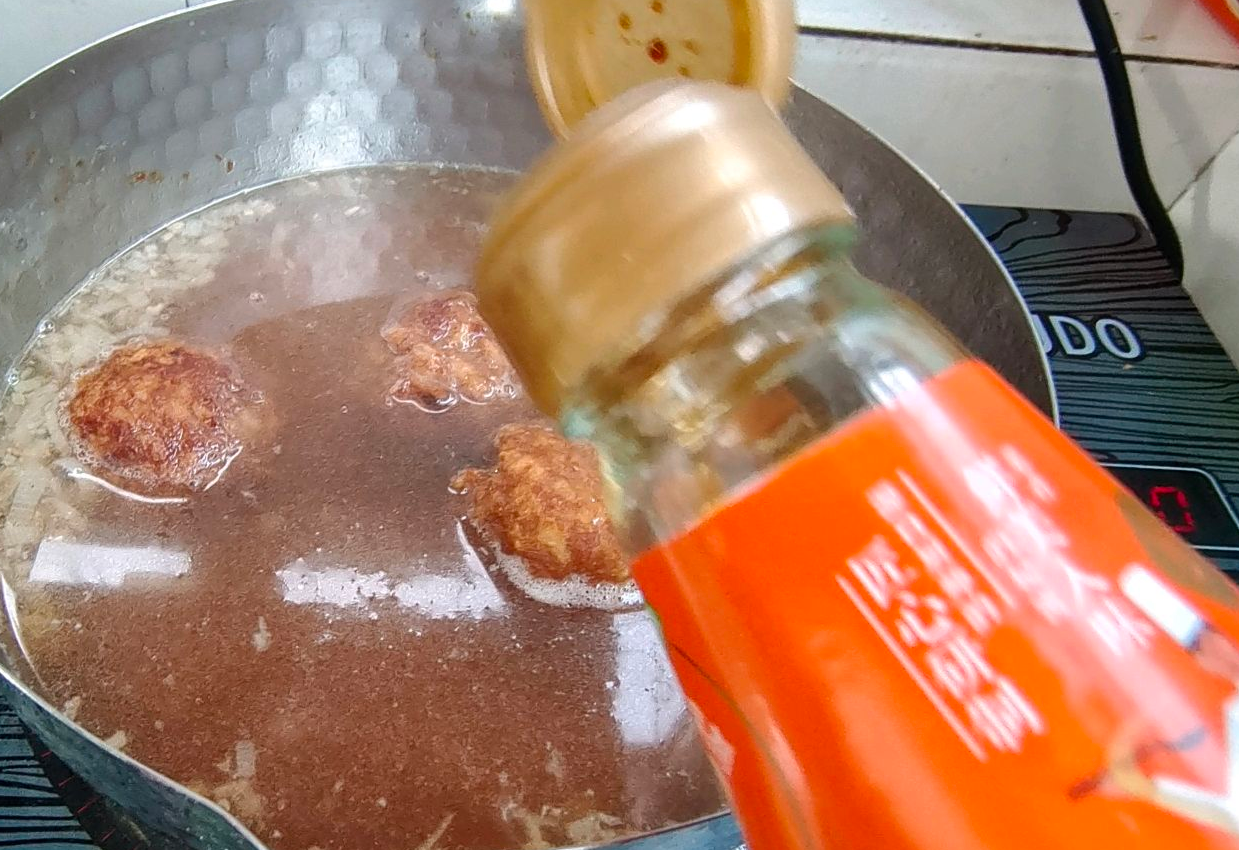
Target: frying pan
[117, 140]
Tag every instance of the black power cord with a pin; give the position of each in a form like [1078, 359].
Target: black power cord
[1127, 132]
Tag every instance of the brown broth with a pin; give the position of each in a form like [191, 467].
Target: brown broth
[339, 665]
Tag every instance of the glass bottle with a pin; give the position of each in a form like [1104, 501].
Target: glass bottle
[906, 611]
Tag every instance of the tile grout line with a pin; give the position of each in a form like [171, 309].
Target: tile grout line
[1003, 47]
[1233, 138]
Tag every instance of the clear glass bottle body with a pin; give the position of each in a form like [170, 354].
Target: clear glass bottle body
[763, 362]
[907, 612]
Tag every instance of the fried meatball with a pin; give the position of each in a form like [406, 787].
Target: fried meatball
[160, 413]
[447, 353]
[543, 502]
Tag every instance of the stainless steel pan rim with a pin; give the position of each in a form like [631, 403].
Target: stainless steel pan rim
[1048, 403]
[225, 97]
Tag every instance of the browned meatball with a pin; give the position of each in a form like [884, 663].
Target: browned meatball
[543, 502]
[160, 413]
[447, 353]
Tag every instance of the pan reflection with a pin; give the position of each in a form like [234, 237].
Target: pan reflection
[645, 699]
[66, 562]
[468, 592]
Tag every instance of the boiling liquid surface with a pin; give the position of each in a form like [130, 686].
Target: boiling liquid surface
[318, 641]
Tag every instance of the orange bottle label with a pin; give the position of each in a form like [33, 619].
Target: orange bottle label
[945, 626]
[1227, 12]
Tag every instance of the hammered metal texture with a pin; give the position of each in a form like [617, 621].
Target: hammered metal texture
[119, 139]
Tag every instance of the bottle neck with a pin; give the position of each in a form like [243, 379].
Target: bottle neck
[755, 366]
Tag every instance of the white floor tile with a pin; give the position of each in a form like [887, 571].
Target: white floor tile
[35, 33]
[1170, 28]
[1207, 218]
[1033, 130]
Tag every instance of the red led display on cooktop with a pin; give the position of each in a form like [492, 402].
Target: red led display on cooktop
[1187, 500]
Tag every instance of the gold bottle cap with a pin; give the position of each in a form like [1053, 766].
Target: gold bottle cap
[583, 53]
[654, 195]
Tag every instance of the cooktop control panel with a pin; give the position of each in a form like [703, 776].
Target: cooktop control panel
[1139, 378]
